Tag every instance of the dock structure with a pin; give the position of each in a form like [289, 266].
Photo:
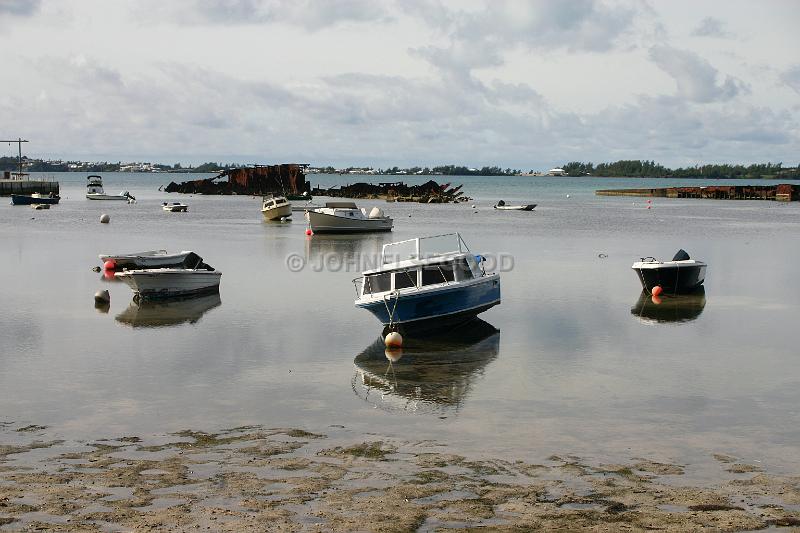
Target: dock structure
[26, 186]
[781, 193]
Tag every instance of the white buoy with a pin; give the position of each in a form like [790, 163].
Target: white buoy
[473, 206]
[102, 297]
[105, 219]
[568, 196]
[393, 340]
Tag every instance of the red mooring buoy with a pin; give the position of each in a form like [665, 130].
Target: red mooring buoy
[110, 265]
[655, 291]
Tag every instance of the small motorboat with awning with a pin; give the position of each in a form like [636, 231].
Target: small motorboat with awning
[346, 217]
[275, 207]
[681, 275]
[427, 283]
[501, 205]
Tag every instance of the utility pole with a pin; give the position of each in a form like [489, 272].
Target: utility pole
[19, 142]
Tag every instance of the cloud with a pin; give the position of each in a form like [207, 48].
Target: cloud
[791, 77]
[304, 13]
[711, 27]
[695, 77]
[19, 8]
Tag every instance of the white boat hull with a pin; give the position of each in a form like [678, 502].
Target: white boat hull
[106, 197]
[527, 207]
[277, 213]
[154, 259]
[170, 282]
[325, 223]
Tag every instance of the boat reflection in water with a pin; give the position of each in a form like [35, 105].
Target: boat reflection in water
[154, 314]
[431, 374]
[668, 308]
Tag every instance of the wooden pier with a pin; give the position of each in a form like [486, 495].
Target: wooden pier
[9, 187]
[781, 193]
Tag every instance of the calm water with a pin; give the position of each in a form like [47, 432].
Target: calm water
[571, 362]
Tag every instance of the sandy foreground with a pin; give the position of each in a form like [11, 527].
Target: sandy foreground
[259, 479]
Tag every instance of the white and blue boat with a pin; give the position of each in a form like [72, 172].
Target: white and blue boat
[427, 282]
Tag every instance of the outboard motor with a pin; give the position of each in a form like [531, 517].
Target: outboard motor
[681, 255]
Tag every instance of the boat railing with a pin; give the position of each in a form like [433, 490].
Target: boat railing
[423, 247]
[358, 284]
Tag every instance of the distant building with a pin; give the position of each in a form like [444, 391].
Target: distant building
[556, 172]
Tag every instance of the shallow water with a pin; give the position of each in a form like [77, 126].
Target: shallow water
[577, 364]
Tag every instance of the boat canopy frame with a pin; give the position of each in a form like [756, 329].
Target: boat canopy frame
[461, 247]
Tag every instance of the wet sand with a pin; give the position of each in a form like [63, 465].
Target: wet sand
[257, 479]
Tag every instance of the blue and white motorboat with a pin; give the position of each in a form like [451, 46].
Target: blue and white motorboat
[427, 282]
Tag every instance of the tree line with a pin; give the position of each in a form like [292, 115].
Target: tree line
[650, 169]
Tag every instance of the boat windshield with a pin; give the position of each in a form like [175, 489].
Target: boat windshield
[423, 247]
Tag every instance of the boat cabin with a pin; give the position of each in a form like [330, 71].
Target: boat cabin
[420, 269]
[271, 202]
[94, 185]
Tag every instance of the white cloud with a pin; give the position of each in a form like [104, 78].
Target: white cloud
[695, 77]
[383, 83]
[20, 8]
[791, 77]
[711, 27]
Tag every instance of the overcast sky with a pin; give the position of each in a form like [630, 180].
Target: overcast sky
[527, 84]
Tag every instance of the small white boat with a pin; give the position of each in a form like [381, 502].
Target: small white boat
[522, 207]
[346, 217]
[40, 206]
[275, 207]
[171, 282]
[94, 191]
[175, 207]
[153, 259]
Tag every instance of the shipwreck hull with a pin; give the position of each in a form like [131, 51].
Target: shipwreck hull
[258, 180]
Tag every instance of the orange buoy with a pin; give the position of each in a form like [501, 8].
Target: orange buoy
[110, 265]
[656, 300]
[655, 291]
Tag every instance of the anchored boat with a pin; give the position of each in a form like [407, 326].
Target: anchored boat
[346, 217]
[522, 207]
[34, 199]
[427, 282]
[275, 207]
[681, 275]
[174, 207]
[94, 191]
[171, 282]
